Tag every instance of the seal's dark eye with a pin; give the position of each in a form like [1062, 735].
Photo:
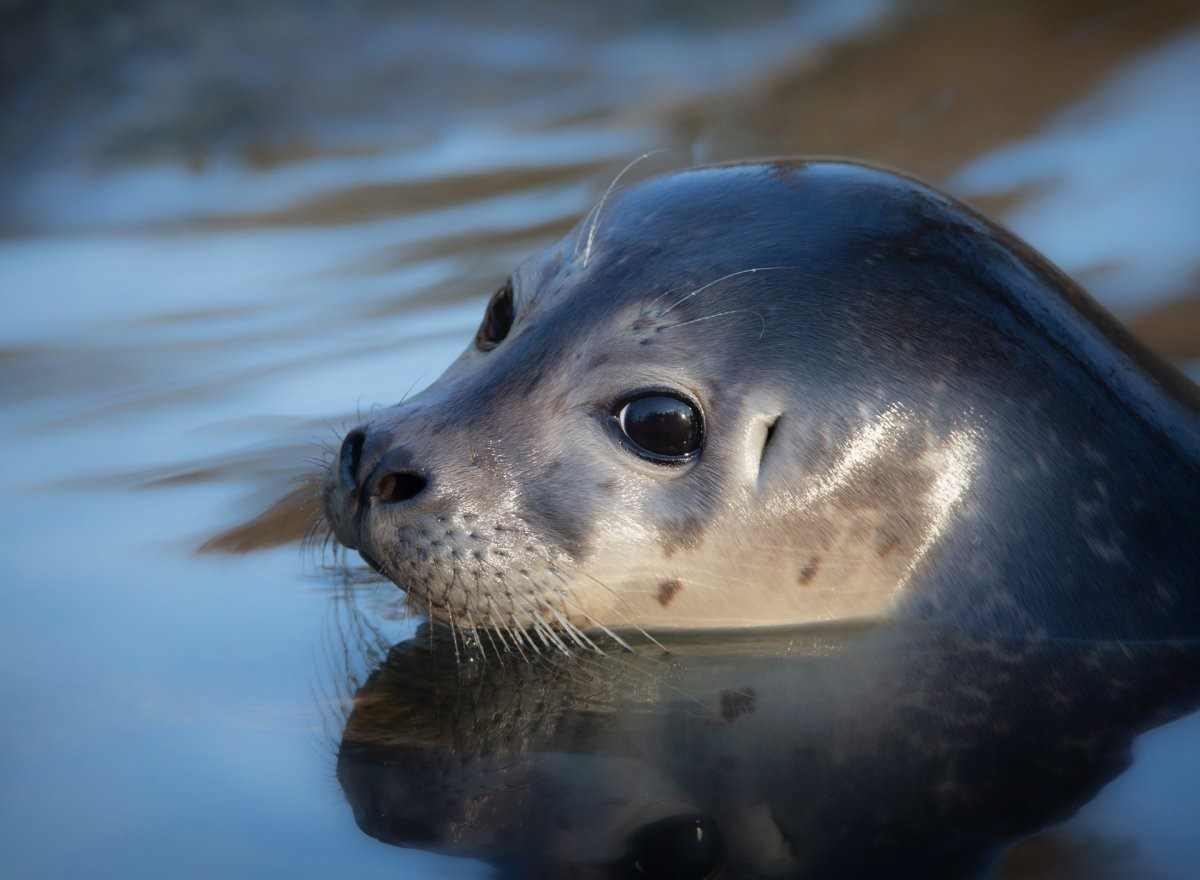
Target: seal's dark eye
[497, 320]
[661, 426]
[680, 847]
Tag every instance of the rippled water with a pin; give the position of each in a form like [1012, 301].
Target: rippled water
[225, 233]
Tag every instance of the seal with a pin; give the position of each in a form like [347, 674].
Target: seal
[786, 392]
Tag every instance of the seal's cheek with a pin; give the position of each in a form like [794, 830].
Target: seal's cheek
[554, 502]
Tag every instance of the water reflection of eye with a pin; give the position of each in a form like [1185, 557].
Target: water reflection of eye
[686, 847]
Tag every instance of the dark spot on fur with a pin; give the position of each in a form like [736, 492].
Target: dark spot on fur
[600, 360]
[887, 543]
[682, 534]
[532, 379]
[809, 571]
[556, 513]
[668, 590]
[609, 485]
[735, 704]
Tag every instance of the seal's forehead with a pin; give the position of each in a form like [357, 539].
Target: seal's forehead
[708, 221]
[814, 199]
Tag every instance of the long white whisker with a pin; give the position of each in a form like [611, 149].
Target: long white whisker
[454, 635]
[573, 632]
[761, 330]
[705, 287]
[475, 629]
[487, 632]
[519, 607]
[544, 627]
[586, 224]
[516, 640]
[587, 251]
[594, 622]
[621, 600]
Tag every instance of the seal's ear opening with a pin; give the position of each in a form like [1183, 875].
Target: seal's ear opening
[497, 319]
[760, 440]
[770, 435]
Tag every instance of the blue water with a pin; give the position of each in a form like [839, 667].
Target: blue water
[186, 320]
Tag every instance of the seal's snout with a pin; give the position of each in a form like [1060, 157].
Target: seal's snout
[386, 476]
[369, 470]
[350, 457]
[393, 487]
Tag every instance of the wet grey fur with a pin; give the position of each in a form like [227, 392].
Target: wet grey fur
[1080, 514]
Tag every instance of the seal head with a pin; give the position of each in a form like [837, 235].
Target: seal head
[780, 393]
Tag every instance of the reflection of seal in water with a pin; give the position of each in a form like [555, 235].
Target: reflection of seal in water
[900, 752]
[787, 392]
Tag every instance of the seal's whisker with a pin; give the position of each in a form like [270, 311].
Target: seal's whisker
[534, 629]
[621, 600]
[498, 620]
[573, 670]
[546, 631]
[454, 635]
[670, 290]
[579, 631]
[587, 251]
[488, 631]
[762, 321]
[606, 630]
[429, 617]
[651, 673]
[516, 641]
[705, 287]
[585, 224]
[573, 632]
[335, 431]
[475, 632]
[638, 669]
[564, 594]
[328, 445]
[518, 607]
[330, 540]
[525, 634]
[404, 397]
[315, 543]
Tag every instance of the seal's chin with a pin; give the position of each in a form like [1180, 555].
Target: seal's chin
[372, 562]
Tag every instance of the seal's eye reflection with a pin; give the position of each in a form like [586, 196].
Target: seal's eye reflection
[497, 320]
[679, 847]
[661, 426]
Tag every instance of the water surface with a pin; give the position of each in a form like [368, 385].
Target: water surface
[226, 233]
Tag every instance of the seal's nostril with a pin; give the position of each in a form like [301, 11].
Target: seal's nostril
[351, 455]
[399, 486]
